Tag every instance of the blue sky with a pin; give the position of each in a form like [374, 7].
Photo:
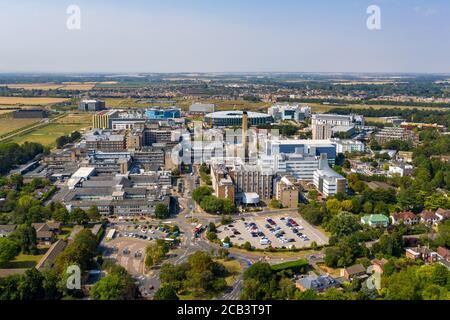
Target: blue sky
[225, 36]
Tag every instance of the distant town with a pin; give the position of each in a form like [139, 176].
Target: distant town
[225, 186]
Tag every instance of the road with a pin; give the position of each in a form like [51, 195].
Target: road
[149, 283]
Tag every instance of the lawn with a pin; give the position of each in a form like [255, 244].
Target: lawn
[29, 101]
[9, 124]
[23, 261]
[47, 135]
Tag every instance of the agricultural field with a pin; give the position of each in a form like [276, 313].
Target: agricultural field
[76, 118]
[8, 124]
[48, 134]
[318, 107]
[82, 86]
[29, 101]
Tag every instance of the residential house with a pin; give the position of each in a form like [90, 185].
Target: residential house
[378, 265]
[444, 253]
[46, 232]
[407, 217]
[316, 283]
[443, 214]
[375, 220]
[424, 253]
[353, 272]
[429, 217]
[6, 229]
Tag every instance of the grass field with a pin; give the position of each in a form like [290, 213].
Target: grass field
[29, 101]
[27, 260]
[234, 269]
[47, 135]
[9, 124]
[76, 118]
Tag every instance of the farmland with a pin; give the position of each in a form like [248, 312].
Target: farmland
[81, 86]
[76, 118]
[29, 101]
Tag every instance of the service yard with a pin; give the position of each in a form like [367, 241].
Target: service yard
[275, 230]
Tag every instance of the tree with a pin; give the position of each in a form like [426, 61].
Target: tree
[78, 216]
[161, 211]
[343, 224]
[166, 292]
[201, 192]
[211, 204]
[115, 286]
[8, 250]
[155, 252]
[25, 236]
[93, 213]
[80, 252]
[275, 204]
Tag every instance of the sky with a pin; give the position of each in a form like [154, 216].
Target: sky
[225, 36]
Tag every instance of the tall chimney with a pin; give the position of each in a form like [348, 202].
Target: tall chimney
[244, 134]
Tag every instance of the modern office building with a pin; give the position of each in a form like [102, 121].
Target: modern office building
[102, 119]
[160, 113]
[234, 118]
[305, 147]
[299, 166]
[289, 112]
[91, 105]
[348, 146]
[327, 181]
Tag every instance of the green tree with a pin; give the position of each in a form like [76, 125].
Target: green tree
[8, 250]
[161, 211]
[25, 236]
[93, 213]
[166, 292]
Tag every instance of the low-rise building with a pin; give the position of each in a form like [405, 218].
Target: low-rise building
[429, 217]
[375, 220]
[348, 146]
[407, 217]
[49, 258]
[7, 229]
[316, 283]
[424, 253]
[201, 108]
[91, 105]
[353, 272]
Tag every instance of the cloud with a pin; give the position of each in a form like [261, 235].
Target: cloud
[425, 11]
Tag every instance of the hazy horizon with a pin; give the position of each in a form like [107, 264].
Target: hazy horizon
[200, 36]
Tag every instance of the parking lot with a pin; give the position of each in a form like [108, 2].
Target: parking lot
[142, 231]
[127, 252]
[276, 230]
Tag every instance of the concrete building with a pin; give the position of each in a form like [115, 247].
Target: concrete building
[91, 105]
[392, 133]
[321, 131]
[286, 193]
[106, 141]
[337, 119]
[300, 166]
[253, 178]
[108, 162]
[222, 182]
[327, 181]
